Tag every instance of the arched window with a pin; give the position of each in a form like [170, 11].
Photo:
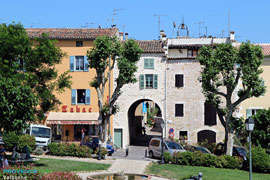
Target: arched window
[208, 135]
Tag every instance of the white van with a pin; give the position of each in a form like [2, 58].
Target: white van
[41, 133]
[154, 148]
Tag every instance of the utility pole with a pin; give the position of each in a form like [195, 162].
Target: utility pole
[159, 15]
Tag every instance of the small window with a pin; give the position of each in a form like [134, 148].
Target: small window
[81, 96]
[179, 80]
[192, 53]
[179, 110]
[148, 63]
[149, 81]
[189, 53]
[79, 44]
[79, 63]
[183, 135]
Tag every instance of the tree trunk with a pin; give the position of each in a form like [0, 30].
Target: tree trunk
[228, 146]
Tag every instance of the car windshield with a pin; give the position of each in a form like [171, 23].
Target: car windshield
[173, 145]
[41, 132]
[241, 151]
[202, 149]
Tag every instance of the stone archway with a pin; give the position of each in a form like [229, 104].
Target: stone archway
[208, 135]
[136, 124]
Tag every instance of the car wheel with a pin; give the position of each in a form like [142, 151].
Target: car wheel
[151, 155]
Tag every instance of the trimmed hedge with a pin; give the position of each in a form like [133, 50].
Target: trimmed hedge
[207, 160]
[63, 149]
[11, 139]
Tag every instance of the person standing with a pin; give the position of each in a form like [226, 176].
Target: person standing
[83, 134]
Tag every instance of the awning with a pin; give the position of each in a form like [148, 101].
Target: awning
[72, 118]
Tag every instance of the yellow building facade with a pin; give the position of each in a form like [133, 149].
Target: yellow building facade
[79, 108]
[251, 105]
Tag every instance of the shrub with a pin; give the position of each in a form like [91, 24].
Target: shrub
[184, 158]
[232, 162]
[210, 146]
[26, 140]
[208, 160]
[103, 152]
[197, 158]
[61, 176]
[167, 157]
[260, 159]
[69, 150]
[10, 139]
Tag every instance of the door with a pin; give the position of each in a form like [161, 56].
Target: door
[118, 138]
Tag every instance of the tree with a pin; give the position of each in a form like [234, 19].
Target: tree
[107, 52]
[261, 132]
[229, 76]
[28, 67]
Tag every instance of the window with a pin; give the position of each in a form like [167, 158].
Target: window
[80, 96]
[79, 44]
[183, 135]
[148, 81]
[179, 110]
[78, 63]
[179, 80]
[148, 63]
[192, 53]
[210, 115]
[252, 111]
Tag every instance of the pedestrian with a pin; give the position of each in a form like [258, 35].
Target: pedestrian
[2, 152]
[83, 134]
[144, 130]
[5, 161]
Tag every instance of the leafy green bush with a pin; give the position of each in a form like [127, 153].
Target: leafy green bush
[185, 158]
[167, 157]
[260, 159]
[232, 162]
[103, 152]
[62, 149]
[26, 140]
[10, 139]
[208, 160]
[210, 146]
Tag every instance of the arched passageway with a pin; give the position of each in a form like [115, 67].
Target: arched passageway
[144, 118]
[208, 135]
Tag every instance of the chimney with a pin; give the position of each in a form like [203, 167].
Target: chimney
[232, 36]
[126, 36]
[161, 34]
[121, 35]
[163, 38]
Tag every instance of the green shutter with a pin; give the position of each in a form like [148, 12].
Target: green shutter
[141, 81]
[155, 81]
[248, 113]
[151, 63]
[146, 64]
[262, 84]
[73, 96]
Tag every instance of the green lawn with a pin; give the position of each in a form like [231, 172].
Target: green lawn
[45, 165]
[183, 172]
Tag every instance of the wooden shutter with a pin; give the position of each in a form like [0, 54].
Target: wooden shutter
[155, 81]
[146, 64]
[210, 115]
[151, 63]
[141, 79]
[73, 96]
[179, 110]
[87, 96]
[71, 63]
[86, 64]
[179, 80]
[248, 113]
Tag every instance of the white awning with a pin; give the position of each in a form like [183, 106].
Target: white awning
[72, 118]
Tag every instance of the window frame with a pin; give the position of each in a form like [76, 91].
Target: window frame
[181, 76]
[149, 63]
[176, 112]
[78, 44]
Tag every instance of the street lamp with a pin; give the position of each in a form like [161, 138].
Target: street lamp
[99, 131]
[162, 124]
[249, 127]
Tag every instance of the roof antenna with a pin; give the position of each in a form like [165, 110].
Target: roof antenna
[200, 22]
[229, 23]
[159, 15]
[114, 14]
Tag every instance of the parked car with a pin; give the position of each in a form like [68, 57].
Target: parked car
[239, 151]
[92, 142]
[197, 148]
[154, 149]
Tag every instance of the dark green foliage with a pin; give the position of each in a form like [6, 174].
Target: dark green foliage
[26, 140]
[62, 149]
[260, 160]
[261, 133]
[103, 152]
[225, 68]
[207, 160]
[10, 139]
[167, 157]
[28, 77]
[210, 146]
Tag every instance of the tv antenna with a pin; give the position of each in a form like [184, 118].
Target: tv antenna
[159, 15]
[200, 22]
[114, 14]
[229, 23]
[88, 24]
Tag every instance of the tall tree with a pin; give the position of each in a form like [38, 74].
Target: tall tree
[32, 64]
[107, 52]
[229, 76]
[261, 132]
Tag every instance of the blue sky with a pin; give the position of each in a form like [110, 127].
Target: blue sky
[248, 18]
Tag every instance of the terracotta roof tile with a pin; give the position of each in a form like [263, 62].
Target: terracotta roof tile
[151, 46]
[265, 49]
[72, 33]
